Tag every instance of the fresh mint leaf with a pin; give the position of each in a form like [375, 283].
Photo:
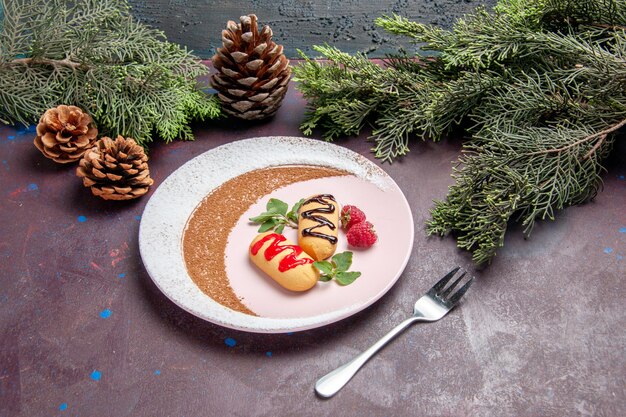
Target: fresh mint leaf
[346, 278]
[337, 269]
[342, 261]
[274, 205]
[262, 218]
[325, 267]
[293, 213]
[268, 225]
[296, 207]
[276, 217]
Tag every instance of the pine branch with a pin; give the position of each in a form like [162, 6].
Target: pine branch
[499, 178]
[66, 62]
[540, 83]
[93, 54]
[600, 136]
[434, 37]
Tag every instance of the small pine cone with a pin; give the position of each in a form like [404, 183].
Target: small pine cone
[253, 71]
[115, 169]
[65, 133]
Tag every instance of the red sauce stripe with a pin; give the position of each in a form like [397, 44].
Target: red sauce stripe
[290, 261]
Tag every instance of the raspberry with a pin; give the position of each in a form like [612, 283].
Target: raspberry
[362, 235]
[351, 215]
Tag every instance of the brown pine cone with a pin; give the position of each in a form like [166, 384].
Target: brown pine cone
[115, 169]
[65, 133]
[253, 72]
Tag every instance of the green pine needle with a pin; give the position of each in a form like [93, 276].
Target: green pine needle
[93, 54]
[540, 85]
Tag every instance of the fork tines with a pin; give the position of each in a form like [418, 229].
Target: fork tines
[444, 294]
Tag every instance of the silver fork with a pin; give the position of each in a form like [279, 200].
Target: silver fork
[432, 306]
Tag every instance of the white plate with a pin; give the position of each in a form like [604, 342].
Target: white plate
[170, 207]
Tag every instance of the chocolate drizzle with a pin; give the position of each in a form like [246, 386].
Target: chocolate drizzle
[321, 221]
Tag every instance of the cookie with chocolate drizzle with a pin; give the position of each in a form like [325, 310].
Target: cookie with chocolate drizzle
[318, 220]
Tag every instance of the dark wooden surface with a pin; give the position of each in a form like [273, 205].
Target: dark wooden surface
[349, 25]
[85, 332]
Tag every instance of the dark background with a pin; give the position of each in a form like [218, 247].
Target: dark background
[85, 332]
[347, 24]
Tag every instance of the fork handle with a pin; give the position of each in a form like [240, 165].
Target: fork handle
[331, 383]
